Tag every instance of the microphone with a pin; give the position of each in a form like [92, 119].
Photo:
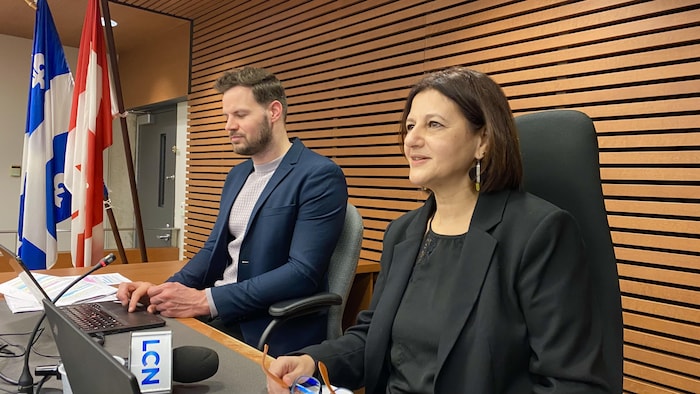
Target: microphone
[194, 363]
[26, 381]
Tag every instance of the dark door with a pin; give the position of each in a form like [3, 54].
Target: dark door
[155, 177]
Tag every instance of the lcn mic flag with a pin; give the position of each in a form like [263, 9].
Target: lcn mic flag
[90, 133]
[43, 199]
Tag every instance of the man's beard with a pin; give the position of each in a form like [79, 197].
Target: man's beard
[259, 144]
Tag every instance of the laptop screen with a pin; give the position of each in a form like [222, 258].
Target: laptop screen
[90, 368]
[18, 266]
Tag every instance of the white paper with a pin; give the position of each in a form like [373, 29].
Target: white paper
[19, 298]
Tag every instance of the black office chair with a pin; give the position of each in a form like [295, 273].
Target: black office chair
[561, 165]
[341, 272]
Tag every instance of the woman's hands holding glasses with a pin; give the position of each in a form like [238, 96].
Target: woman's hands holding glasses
[287, 375]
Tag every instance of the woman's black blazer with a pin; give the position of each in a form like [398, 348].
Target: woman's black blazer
[521, 317]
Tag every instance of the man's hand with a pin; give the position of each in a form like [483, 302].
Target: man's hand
[132, 293]
[172, 299]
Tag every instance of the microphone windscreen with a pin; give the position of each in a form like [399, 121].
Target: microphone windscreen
[194, 363]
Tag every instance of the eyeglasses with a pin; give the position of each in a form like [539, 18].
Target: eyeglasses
[302, 384]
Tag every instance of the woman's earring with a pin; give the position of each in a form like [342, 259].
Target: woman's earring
[477, 184]
[475, 175]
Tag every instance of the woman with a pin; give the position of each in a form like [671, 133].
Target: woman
[484, 288]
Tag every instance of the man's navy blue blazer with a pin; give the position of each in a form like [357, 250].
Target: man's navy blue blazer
[291, 234]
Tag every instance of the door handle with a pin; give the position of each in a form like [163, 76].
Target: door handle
[164, 237]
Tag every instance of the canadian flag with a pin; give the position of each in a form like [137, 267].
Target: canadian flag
[90, 132]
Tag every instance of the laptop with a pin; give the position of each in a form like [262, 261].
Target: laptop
[90, 368]
[105, 317]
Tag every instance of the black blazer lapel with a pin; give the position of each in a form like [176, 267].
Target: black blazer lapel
[463, 284]
[401, 266]
[462, 288]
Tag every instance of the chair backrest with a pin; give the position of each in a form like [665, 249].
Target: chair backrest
[561, 165]
[341, 270]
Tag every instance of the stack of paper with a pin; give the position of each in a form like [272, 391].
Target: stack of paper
[20, 298]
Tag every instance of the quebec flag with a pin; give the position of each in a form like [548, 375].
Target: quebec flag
[44, 201]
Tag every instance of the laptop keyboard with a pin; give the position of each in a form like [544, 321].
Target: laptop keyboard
[91, 317]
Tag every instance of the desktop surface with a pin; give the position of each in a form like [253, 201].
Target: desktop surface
[239, 371]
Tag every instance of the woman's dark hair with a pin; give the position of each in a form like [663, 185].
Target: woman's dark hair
[265, 86]
[486, 108]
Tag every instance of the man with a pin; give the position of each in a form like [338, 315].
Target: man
[280, 216]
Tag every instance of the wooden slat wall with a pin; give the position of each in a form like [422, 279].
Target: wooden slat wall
[633, 66]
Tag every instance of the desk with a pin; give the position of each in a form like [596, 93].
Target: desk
[238, 368]
[157, 272]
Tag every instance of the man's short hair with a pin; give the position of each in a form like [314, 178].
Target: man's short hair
[264, 84]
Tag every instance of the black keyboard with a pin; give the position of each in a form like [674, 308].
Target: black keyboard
[91, 317]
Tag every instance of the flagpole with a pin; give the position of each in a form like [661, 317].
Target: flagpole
[125, 134]
[113, 224]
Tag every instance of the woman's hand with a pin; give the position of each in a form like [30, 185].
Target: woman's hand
[288, 369]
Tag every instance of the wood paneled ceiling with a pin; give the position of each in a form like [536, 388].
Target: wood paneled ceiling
[137, 18]
[187, 9]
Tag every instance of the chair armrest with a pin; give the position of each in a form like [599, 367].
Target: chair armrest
[302, 306]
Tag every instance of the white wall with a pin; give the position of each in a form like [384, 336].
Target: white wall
[14, 82]
[118, 186]
[180, 174]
